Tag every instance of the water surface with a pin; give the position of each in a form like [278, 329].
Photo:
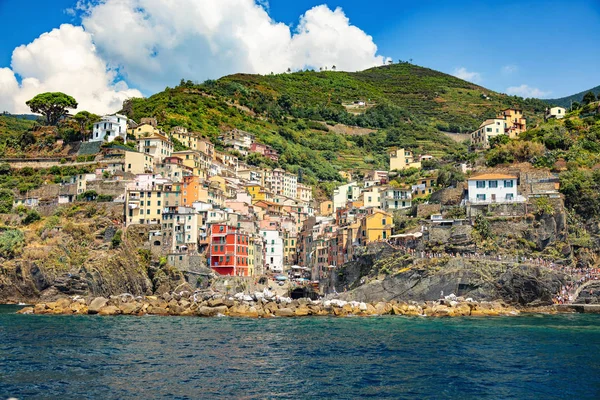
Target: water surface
[85, 357]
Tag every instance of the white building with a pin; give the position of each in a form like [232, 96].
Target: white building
[488, 129]
[109, 128]
[396, 198]
[284, 183]
[273, 250]
[555, 112]
[493, 188]
[345, 193]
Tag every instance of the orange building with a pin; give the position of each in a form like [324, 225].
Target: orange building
[193, 190]
[228, 250]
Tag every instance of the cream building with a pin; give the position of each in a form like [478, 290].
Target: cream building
[402, 159]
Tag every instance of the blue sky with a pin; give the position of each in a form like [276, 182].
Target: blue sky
[545, 47]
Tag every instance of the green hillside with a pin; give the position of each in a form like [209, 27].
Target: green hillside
[300, 113]
[578, 97]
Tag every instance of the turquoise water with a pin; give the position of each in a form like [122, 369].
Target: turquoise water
[89, 357]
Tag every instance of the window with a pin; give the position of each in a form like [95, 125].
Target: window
[509, 196]
[508, 183]
[480, 184]
[488, 129]
[493, 184]
[481, 197]
[383, 221]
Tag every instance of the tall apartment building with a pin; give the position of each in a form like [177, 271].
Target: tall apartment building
[228, 250]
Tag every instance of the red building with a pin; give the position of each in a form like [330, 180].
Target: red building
[228, 250]
[265, 150]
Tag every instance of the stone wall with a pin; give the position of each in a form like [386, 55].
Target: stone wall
[497, 209]
[112, 188]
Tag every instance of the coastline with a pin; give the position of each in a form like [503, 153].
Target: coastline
[264, 305]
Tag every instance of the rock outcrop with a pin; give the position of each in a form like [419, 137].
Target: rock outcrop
[394, 277]
[263, 305]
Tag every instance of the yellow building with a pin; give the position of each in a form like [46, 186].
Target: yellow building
[402, 159]
[143, 130]
[375, 226]
[515, 121]
[258, 192]
[194, 141]
[326, 208]
[196, 160]
[289, 248]
[119, 160]
[145, 205]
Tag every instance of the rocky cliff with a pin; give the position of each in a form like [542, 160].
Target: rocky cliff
[81, 251]
[387, 275]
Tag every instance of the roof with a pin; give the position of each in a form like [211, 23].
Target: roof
[491, 176]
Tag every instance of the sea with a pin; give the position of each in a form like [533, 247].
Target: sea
[91, 357]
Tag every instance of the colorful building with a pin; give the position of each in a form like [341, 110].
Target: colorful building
[228, 250]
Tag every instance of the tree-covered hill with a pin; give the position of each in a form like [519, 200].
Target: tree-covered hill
[577, 97]
[403, 104]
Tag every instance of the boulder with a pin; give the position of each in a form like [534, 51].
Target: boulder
[175, 310]
[157, 311]
[96, 305]
[239, 310]
[205, 311]
[129, 308]
[26, 310]
[284, 312]
[184, 303]
[302, 311]
[216, 302]
[109, 310]
[78, 308]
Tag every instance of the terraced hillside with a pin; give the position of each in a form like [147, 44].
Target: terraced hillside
[405, 105]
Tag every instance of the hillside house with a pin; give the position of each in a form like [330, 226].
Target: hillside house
[488, 129]
[396, 198]
[555, 112]
[345, 193]
[493, 188]
[402, 159]
[157, 146]
[265, 150]
[515, 121]
[109, 128]
[238, 140]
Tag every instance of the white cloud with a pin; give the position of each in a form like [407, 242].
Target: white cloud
[527, 91]
[154, 43]
[65, 60]
[470, 76]
[509, 69]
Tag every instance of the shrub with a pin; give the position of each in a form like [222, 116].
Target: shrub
[117, 239]
[7, 199]
[31, 217]
[11, 243]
